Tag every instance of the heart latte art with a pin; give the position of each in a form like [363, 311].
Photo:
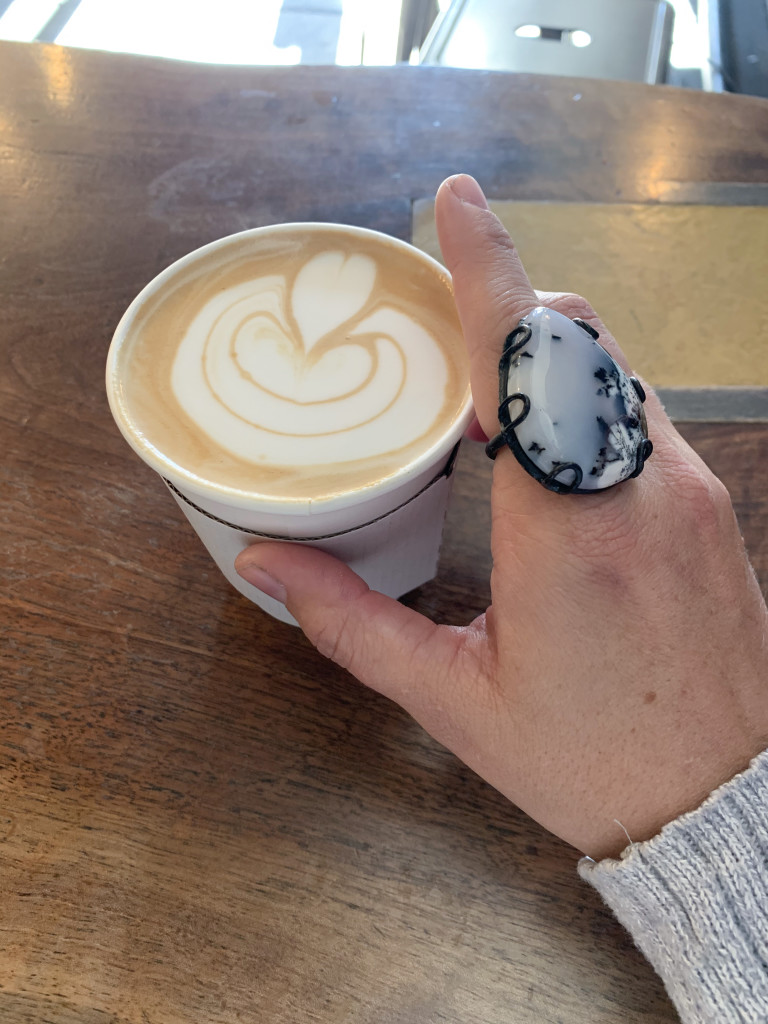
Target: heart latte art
[301, 368]
[309, 371]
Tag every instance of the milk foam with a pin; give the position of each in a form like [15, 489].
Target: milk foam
[303, 364]
[309, 371]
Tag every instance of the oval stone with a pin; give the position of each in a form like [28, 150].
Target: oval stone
[582, 410]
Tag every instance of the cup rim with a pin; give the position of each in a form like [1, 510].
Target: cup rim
[249, 499]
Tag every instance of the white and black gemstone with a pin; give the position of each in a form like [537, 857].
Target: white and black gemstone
[578, 423]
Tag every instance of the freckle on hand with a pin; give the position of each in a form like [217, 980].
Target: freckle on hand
[650, 697]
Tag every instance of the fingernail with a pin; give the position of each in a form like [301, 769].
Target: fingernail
[467, 189]
[261, 579]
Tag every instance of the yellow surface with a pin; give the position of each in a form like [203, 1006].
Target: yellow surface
[684, 289]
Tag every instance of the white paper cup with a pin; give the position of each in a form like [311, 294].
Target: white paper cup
[389, 533]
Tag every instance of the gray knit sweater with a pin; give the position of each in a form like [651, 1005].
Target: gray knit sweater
[695, 900]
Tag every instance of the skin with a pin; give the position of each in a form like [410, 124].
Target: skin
[621, 671]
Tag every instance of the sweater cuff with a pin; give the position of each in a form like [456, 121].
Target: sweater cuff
[695, 900]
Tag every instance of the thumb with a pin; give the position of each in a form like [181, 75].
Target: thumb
[389, 647]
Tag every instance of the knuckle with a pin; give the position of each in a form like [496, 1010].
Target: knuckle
[677, 532]
[496, 250]
[609, 535]
[508, 305]
[704, 502]
[333, 638]
[572, 305]
[498, 238]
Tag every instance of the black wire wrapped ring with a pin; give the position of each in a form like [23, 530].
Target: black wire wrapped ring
[571, 416]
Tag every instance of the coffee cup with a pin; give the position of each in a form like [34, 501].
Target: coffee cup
[305, 383]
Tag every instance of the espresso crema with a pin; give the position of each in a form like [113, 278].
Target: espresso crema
[299, 364]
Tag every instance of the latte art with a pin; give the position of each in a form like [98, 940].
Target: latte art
[312, 370]
[296, 363]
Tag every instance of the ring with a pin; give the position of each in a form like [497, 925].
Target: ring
[572, 417]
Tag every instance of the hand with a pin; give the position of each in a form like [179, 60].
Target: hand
[621, 672]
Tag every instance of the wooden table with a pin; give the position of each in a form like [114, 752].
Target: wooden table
[201, 820]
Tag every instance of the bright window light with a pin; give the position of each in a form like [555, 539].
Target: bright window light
[229, 32]
[688, 44]
[469, 48]
[369, 32]
[24, 19]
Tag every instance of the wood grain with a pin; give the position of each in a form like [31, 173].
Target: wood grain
[200, 819]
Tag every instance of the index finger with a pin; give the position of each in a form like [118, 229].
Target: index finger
[493, 292]
[490, 284]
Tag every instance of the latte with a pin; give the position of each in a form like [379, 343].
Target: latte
[296, 363]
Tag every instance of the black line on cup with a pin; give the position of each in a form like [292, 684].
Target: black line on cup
[445, 472]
